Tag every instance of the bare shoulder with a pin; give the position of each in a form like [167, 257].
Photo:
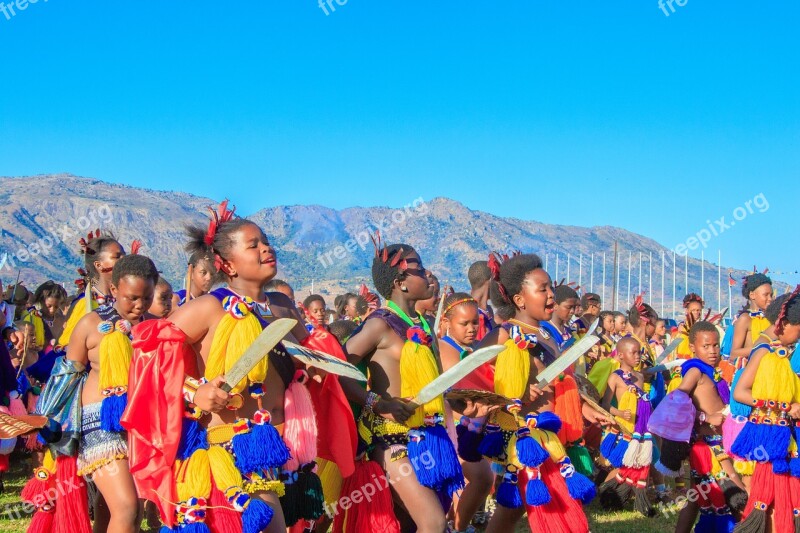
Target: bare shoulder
[496, 336]
[204, 310]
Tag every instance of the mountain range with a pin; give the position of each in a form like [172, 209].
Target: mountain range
[42, 217]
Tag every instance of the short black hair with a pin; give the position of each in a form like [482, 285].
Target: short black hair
[162, 282]
[754, 281]
[342, 329]
[383, 274]
[692, 297]
[628, 340]
[313, 298]
[199, 256]
[94, 247]
[512, 275]
[274, 284]
[590, 298]
[463, 297]
[342, 300]
[49, 289]
[702, 326]
[478, 274]
[604, 314]
[792, 315]
[564, 292]
[138, 266]
[618, 314]
[649, 313]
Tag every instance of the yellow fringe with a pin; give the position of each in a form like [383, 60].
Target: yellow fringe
[331, 479]
[91, 468]
[757, 326]
[775, 380]
[628, 401]
[232, 337]
[116, 352]
[194, 476]
[38, 327]
[78, 312]
[223, 469]
[417, 369]
[551, 443]
[258, 484]
[512, 371]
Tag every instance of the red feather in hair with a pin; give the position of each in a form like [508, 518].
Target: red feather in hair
[372, 299]
[218, 217]
[638, 303]
[136, 245]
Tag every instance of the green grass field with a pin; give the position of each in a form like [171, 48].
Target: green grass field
[600, 521]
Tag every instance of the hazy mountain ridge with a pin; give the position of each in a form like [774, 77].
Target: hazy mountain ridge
[311, 240]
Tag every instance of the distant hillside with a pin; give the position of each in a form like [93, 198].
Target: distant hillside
[315, 244]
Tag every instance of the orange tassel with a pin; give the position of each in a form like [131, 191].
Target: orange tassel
[568, 409]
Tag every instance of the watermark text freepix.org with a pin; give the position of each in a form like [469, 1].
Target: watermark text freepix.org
[362, 238]
[10, 9]
[723, 224]
[68, 233]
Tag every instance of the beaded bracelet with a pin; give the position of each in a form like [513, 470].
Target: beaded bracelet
[190, 386]
[372, 401]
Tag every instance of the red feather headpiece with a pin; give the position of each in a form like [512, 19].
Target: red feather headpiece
[780, 323]
[382, 253]
[496, 260]
[372, 299]
[218, 217]
[638, 303]
[84, 241]
[136, 245]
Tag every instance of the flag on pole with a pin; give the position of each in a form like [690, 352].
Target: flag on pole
[731, 281]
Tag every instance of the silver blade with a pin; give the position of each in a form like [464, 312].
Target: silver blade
[265, 342]
[439, 313]
[664, 367]
[456, 373]
[326, 362]
[671, 347]
[566, 359]
[581, 369]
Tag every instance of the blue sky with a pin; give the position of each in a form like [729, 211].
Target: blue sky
[585, 113]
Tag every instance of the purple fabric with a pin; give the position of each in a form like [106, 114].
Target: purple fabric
[643, 412]
[674, 417]
[724, 391]
[395, 322]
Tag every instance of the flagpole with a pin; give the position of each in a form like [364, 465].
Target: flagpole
[628, 299]
[605, 302]
[686, 273]
[615, 280]
[640, 275]
[719, 280]
[650, 276]
[557, 279]
[662, 282]
[591, 275]
[580, 269]
[703, 275]
[730, 298]
[674, 274]
[545, 264]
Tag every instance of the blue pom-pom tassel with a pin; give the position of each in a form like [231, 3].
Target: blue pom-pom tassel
[725, 523]
[492, 444]
[529, 451]
[548, 421]
[256, 517]
[616, 456]
[431, 445]
[111, 410]
[468, 444]
[794, 467]
[536, 493]
[780, 466]
[581, 488]
[608, 443]
[508, 493]
[261, 447]
[193, 438]
[762, 442]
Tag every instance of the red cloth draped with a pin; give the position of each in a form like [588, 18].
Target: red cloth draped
[338, 437]
[154, 415]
